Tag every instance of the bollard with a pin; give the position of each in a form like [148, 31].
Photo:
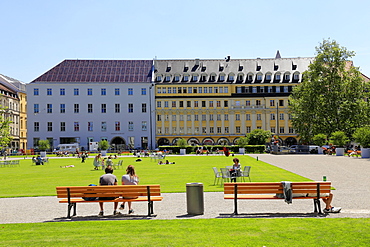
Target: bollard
[257, 158]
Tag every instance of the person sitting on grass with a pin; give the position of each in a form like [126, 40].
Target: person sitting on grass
[108, 179]
[129, 179]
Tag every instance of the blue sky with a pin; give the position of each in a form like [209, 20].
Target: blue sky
[39, 34]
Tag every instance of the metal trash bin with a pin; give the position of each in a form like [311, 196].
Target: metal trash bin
[194, 198]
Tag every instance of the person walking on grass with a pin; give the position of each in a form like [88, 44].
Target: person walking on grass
[105, 180]
[129, 178]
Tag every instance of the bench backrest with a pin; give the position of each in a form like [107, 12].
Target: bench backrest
[276, 187]
[108, 191]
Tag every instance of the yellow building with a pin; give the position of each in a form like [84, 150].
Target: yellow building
[218, 101]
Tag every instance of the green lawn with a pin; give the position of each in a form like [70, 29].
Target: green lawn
[32, 180]
[191, 232]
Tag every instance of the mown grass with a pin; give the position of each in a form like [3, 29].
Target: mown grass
[32, 180]
[200, 232]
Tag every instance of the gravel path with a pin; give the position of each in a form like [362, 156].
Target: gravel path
[350, 177]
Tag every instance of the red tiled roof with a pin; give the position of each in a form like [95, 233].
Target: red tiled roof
[99, 71]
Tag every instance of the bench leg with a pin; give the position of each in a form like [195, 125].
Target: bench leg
[150, 208]
[317, 206]
[70, 206]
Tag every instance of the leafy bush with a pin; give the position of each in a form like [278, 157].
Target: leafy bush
[258, 137]
[103, 145]
[362, 136]
[319, 139]
[44, 145]
[339, 138]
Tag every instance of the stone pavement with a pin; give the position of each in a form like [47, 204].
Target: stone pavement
[350, 177]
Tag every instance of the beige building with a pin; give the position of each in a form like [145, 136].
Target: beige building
[217, 101]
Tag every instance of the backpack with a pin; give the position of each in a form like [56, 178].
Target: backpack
[90, 198]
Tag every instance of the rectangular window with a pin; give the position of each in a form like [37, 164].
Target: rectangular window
[226, 129]
[204, 130]
[159, 104]
[281, 102]
[248, 129]
[188, 117]
[210, 117]
[130, 126]
[130, 91]
[181, 103]
[272, 116]
[200, 89]
[196, 118]
[218, 130]
[103, 126]
[291, 130]
[49, 108]
[196, 130]
[89, 108]
[188, 103]
[218, 117]
[174, 104]
[211, 103]
[36, 108]
[190, 90]
[166, 104]
[103, 108]
[248, 103]
[226, 90]
[143, 107]
[130, 108]
[272, 130]
[281, 131]
[272, 102]
[62, 126]
[116, 91]
[76, 91]
[159, 117]
[181, 117]
[174, 118]
[205, 90]
[49, 91]
[196, 103]
[62, 108]
[281, 116]
[143, 91]
[89, 91]
[62, 91]
[36, 126]
[258, 116]
[204, 117]
[258, 102]
[35, 91]
[226, 103]
[76, 108]
[248, 117]
[174, 90]
[203, 103]
[237, 116]
[143, 125]
[117, 108]
[103, 91]
[218, 103]
[76, 126]
[237, 129]
[117, 126]
[169, 90]
[89, 126]
[226, 116]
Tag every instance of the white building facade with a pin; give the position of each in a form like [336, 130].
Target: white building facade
[84, 101]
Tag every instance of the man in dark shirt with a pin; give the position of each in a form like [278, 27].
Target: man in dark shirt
[108, 179]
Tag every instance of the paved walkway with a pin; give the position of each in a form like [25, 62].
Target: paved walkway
[350, 177]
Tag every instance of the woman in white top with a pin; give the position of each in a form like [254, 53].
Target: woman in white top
[129, 178]
[235, 171]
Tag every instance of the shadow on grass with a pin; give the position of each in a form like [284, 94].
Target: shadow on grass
[107, 217]
[272, 215]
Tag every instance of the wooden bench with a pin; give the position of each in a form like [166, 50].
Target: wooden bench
[269, 191]
[139, 193]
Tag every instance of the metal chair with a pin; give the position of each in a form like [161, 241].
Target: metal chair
[225, 174]
[246, 173]
[218, 175]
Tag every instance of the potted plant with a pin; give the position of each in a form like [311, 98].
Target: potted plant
[362, 136]
[103, 145]
[43, 146]
[319, 140]
[242, 143]
[182, 144]
[339, 139]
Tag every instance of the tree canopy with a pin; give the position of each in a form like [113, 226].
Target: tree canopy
[5, 136]
[258, 137]
[332, 96]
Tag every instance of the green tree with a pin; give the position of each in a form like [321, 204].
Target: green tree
[182, 143]
[243, 142]
[319, 139]
[258, 137]
[44, 145]
[331, 95]
[362, 136]
[338, 138]
[103, 145]
[5, 136]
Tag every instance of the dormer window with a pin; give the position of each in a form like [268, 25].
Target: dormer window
[212, 78]
[185, 78]
[259, 77]
[203, 78]
[176, 78]
[222, 78]
[194, 78]
[231, 78]
[277, 77]
[240, 78]
[286, 77]
[158, 78]
[167, 78]
[268, 77]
